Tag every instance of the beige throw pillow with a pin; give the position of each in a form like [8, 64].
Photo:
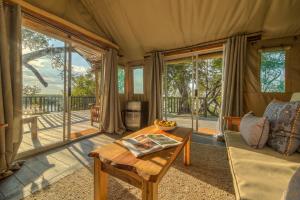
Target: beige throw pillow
[254, 130]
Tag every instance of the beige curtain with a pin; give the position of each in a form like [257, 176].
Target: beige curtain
[155, 86]
[10, 85]
[234, 64]
[110, 119]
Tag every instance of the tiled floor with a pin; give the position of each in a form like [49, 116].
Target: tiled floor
[46, 168]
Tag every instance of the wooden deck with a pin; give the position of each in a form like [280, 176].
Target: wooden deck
[50, 129]
[206, 126]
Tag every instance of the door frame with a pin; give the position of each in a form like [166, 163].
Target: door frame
[195, 99]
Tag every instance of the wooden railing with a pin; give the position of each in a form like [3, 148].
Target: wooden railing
[54, 103]
[175, 105]
[39, 104]
[179, 105]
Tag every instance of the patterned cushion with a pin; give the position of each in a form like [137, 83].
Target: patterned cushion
[284, 126]
[293, 191]
[255, 130]
[296, 97]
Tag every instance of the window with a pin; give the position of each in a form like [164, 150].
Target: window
[272, 71]
[138, 81]
[121, 80]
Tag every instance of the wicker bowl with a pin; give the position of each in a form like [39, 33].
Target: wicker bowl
[165, 128]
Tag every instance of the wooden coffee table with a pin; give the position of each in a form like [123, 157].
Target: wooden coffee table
[145, 172]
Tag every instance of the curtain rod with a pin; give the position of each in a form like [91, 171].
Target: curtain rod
[214, 43]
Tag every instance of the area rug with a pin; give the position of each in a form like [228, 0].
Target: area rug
[207, 178]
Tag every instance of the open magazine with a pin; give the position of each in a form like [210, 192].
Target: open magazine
[148, 143]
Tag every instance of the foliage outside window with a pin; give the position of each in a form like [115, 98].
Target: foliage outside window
[272, 71]
[179, 83]
[138, 81]
[121, 80]
[43, 67]
[43, 63]
[84, 84]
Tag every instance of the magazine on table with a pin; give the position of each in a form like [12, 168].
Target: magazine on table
[148, 143]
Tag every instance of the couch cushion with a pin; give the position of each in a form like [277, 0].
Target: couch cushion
[284, 120]
[293, 190]
[258, 173]
[255, 130]
[295, 97]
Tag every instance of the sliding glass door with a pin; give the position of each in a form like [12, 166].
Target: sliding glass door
[43, 62]
[60, 80]
[192, 92]
[207, 93]
[83, 95]
[177, 93]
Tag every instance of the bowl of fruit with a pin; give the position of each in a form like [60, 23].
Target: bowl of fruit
[165, 125]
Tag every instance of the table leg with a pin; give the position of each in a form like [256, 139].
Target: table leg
[34, 128]
[149, 191]
[100, 181]
[187, 153]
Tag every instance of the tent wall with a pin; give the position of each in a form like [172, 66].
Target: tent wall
[72, 11]
[254, 99]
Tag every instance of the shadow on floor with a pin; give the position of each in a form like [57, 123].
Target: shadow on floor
[209, 164]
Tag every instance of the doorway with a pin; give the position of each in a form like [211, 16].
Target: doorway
[59, 88]
[192, 91]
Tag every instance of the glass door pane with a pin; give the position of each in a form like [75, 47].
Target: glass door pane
[208, 86]
[177, 91]
[192, 92]
[83, 94]
[43, 90]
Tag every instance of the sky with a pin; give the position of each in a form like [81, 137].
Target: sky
[52, 76]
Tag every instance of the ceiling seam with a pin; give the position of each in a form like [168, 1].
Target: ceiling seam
[134, 35]
[96, 21]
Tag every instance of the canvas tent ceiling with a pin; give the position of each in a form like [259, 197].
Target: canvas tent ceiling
[140, 26]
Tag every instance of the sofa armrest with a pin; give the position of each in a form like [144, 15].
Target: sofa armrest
[232, 123]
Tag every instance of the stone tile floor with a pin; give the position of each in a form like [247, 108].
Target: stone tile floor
[44, 169]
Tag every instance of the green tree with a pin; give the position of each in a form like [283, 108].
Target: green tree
[121, 80]
[210, 85]
[272, 71]
[39, 46]
[84, 85]
[178, 78]
[180, 81]
[30, 90]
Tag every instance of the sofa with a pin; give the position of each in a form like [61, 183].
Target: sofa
[258, 174]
